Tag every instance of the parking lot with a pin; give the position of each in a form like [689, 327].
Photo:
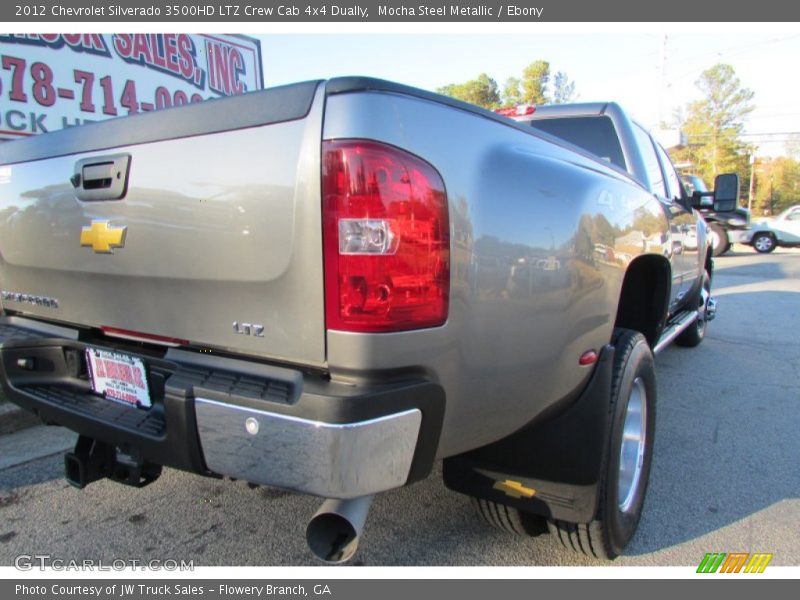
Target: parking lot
[725, 475]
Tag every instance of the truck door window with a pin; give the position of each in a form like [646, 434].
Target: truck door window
[594, 134]
[671, 177]
[651, 164]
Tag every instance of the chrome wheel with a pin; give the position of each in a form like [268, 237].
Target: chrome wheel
[764, 243]
[631, 453]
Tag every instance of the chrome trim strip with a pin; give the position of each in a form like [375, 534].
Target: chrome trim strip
[323, 459]
[669, 335]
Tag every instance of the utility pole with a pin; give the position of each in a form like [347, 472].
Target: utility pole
[771, 200]
[752, 179]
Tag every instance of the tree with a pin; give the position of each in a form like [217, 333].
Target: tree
[714, 125]
[563, 89]
[481, 91]
[777, 185]
[535, 78]
[535, 81]
[532, 88]
[512, 94]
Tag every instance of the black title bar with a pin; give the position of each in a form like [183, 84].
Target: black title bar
[372, 11]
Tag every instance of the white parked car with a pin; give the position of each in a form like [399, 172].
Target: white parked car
[783, 230]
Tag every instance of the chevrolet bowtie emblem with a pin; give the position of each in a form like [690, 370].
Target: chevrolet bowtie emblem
[102, 237]
[514, 489]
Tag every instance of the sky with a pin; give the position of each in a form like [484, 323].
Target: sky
[650, 70]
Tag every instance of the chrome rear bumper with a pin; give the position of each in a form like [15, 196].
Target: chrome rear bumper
[217, 415]
[324, 459]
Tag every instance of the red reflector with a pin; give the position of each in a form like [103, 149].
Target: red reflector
[137, 336]
[588, 358]
[386, 239]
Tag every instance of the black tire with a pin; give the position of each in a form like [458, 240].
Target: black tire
[719, 239]
[617, 518]
[764, 242]
[694, 334]
[510, 519]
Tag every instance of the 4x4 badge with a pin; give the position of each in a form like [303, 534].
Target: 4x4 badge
[102, 237]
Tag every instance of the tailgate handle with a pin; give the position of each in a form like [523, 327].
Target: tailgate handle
[101, 177]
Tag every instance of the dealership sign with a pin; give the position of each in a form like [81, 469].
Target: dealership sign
[53, 81]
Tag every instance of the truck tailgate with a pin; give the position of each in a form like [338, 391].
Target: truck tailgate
[217, 239]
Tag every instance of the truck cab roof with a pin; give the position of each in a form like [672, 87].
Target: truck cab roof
[602, 128]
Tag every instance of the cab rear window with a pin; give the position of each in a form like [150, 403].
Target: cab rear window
[593, 134]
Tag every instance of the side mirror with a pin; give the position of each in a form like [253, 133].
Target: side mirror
[726, 192]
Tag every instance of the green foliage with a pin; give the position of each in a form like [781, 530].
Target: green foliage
[777, 185]
[535, 78]
[482, 91]
[512, 94]
[713, 126]
[532, 88]
[536, 81]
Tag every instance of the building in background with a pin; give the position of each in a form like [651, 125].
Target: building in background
[52, 81]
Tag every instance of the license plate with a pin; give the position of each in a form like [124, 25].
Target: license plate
[118, 377]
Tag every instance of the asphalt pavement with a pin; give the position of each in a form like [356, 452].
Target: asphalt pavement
[725, 474]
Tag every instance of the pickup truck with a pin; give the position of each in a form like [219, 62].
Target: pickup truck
[727, 222]
[328, 287]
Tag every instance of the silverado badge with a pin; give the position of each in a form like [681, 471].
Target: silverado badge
[102, 237]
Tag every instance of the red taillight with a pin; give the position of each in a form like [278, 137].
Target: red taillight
[386, 239]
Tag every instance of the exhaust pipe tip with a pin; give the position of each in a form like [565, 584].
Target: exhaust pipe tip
[332, 538]
[335, 530]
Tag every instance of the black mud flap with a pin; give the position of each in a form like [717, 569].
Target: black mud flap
[552, 468]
